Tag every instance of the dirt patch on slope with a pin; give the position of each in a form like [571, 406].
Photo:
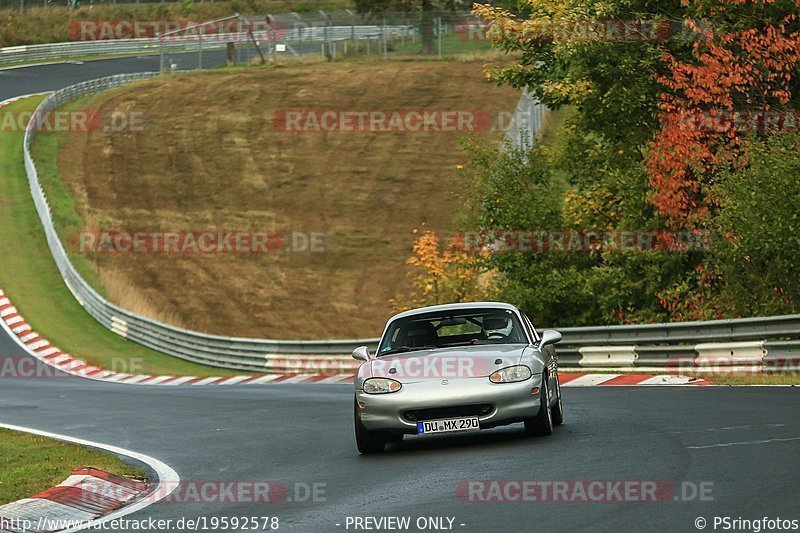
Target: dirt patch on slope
[210, 157]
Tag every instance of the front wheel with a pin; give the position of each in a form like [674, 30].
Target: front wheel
[542, 423]
[367, 441]
[558, 410]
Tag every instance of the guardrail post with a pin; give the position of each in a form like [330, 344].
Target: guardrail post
[385, 41]
[352, 24]
[328, 25]
[230, 50]
[199, 49]
[161, 54]
[299, 27]
[439, 35]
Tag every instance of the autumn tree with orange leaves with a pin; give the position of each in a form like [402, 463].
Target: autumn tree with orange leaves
[747, 72]
[442, 273]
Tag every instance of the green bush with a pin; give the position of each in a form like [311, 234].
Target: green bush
[510, 189]
[757, 227]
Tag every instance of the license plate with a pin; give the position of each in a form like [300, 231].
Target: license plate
[448, 425]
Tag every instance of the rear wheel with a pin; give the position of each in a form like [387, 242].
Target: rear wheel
[542, 423]
[367, 441]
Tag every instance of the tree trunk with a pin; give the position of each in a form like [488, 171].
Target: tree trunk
[426, 27]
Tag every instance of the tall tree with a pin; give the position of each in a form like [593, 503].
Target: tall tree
[746, 67]
[426, 10]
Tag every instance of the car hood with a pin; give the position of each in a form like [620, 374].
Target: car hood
[458, 362]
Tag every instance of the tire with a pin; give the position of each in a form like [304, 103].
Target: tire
[558, 410]
[367, 441]
[541, 425]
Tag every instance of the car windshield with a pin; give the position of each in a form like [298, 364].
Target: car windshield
[461, 327]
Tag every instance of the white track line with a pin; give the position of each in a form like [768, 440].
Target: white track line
[137, 379]
[159, 379]
[338, 378]
[743, 443]
[168, 479]
[180, 381]
[590, 380]
[234, 380]
[300, 378]
[116, 377]
[265, 379]
[207, 381]
[667, 380]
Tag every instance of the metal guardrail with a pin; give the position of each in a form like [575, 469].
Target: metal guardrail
[232, 353]
[647, 345]
[47, 52]
[526, 122]
[22, 5]
[675, 343]
[731, 330]
[191, 43]
[305, 33]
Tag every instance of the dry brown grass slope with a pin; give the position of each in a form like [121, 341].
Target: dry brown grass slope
[211, 157]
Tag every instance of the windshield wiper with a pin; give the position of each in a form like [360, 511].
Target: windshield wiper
[403, 349]
[464, 343]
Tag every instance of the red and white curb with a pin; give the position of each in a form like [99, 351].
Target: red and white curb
[41, 349]
[570, 379]
[84, 496]
[88, 497]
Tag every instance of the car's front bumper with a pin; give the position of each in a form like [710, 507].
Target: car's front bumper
[510, 402]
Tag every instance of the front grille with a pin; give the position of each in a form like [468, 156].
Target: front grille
[447, 412]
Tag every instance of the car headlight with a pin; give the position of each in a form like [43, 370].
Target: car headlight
[511, 374]
[381, 386]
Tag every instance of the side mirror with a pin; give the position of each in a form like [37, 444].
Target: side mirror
[550, 336]
[361, 354]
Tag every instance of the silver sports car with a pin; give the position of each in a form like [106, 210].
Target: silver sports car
[453, 368]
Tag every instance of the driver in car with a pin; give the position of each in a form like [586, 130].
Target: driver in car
[501, 328]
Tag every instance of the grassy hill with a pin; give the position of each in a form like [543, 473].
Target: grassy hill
[211, 156]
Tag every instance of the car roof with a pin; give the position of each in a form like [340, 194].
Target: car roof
[452, 307]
